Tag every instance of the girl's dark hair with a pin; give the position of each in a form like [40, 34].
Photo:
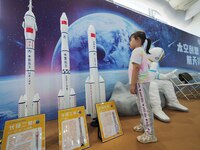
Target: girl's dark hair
[142, 36]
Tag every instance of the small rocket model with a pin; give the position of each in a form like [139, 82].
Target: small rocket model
[94, 84]
[29, 104]
[66, 95]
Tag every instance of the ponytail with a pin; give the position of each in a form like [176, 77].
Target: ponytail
[148, 45]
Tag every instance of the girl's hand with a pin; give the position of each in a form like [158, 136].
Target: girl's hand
[133, 89]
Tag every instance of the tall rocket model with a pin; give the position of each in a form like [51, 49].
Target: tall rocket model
[29, 104]
[66, 95]
[94, 84]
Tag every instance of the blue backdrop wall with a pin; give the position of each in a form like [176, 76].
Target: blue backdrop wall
[113, 25]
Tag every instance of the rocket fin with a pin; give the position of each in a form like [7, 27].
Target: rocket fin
[61, 100]
[102, 89]
[72, 98]
[22, 107]
[36, 104]
[90, 96]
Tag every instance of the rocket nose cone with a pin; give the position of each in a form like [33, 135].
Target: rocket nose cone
[21, 99]
[63, 16]
[72, 92]
[29, 13]
[91, 29]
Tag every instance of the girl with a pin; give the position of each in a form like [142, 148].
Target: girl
[139, 81]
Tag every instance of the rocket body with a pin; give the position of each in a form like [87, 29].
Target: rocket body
[66, 96]
[30, 98]
[94, 85]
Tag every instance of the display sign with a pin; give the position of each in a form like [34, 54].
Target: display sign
[109, 122]
[73, 132]
[25, 133]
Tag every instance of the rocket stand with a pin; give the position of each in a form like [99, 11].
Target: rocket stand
[99, 133]
[95, 122]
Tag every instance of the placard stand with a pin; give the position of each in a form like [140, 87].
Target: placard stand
[109, 123]
[73, 132]
[25, 133]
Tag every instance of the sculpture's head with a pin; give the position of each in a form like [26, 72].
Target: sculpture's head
[155, 54]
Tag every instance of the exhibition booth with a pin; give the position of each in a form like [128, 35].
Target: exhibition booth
[68, 61]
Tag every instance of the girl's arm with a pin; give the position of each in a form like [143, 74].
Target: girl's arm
[135, 72]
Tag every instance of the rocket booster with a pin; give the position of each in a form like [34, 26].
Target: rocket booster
[66, 96]
[94, 85]
[29, 104]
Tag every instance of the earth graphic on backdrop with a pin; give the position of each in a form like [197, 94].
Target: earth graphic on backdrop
[112, 35]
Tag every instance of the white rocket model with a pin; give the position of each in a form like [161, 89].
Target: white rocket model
[66, 95]
[94, 84]
[29, 104]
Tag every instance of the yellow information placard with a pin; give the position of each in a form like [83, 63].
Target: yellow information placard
[73, 132]
[109, 123]
[25, 133]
